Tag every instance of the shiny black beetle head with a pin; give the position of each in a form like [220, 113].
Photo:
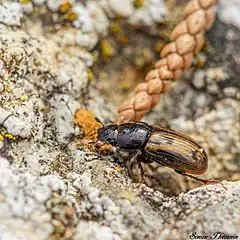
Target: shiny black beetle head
[108, 134]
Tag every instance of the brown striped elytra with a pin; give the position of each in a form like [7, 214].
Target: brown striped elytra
[148, 144]
[175, 150]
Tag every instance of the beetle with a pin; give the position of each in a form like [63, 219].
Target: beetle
[152, 143]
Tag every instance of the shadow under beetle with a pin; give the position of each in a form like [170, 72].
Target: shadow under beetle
[147, 144]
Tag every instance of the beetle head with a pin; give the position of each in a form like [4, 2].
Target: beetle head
[108, 134]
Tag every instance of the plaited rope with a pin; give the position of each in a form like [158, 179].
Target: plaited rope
[187, 38]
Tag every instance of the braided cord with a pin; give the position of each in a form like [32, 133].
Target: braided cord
[187, 39]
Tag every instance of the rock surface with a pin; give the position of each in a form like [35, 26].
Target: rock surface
[50, 187]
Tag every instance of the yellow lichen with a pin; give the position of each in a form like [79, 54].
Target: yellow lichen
[72, 16]
[3, 132]
[1, 138]
[65, 7]
[14, 102]
[125, 85]
[68, 14]
[24, 97]
[95, 56]
[90, 74]
[87, 122]
[9, 136]
[115, 28]
[139, 3]
[107, 49]
[6, 89]
[24, 1]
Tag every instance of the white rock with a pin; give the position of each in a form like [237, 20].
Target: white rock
[123, 8]
[83, 21]
[213, 88]
[17, 127]
[64, 108]
[7, 235]
[230, 91]
[71, 74]
[54, 4]
[153, 11]
[11, 13]
[54, 183]
[141, 16]
[94, 195]
[201, 100]
[182, 124]
[157, 10]
[38, 2]
[98, 16]
[86, 40]
[229, 12]
[2, 69]
[20, 214]
[198, 79]
[94, 231]
[3, 115]
[28, 8]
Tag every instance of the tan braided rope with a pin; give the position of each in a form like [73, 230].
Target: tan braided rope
[187, 39]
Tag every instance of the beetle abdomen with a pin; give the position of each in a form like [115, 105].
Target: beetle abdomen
[176, 151]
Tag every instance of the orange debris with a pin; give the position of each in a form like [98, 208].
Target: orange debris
[87, 122]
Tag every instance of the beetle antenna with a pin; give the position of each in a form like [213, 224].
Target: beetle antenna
[98, 120]
[204, 181]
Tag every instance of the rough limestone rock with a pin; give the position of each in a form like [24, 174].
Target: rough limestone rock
[53, 188]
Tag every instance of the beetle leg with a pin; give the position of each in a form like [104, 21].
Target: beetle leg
[142, 173]
[204, 181]
[130, 165]
[136, 159]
